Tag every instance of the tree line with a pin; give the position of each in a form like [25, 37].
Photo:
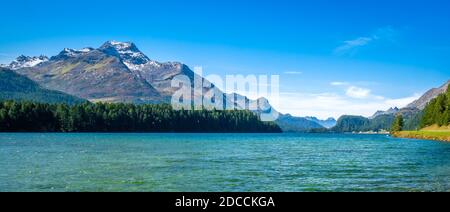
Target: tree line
[18, 116]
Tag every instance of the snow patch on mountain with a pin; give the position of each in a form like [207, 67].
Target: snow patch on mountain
[26, 62]
[128, 53]
[74, 52]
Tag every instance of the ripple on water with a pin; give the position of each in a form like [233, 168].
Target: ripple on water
[221, 162]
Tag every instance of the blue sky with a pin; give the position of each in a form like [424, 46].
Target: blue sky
[333, 57]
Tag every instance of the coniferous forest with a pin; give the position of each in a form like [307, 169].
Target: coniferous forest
[437, 111]
[105, 117]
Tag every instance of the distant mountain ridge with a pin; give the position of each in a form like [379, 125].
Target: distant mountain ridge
[289, 123]
[25, 62]
[328, 123]
[382, 120]
[391, 111]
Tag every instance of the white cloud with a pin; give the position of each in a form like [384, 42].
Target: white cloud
[357, 92]
[293, 72]
[338, 83]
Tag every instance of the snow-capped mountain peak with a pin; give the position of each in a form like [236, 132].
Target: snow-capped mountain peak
[122, 45]
[27, 62]
[131, 56]
[69, 53]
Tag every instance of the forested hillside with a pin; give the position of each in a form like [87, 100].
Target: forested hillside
[437, 111]
[17, 87]
[363, 124]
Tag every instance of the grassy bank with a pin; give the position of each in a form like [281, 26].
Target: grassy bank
[430, 133]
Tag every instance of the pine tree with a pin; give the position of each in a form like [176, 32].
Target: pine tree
[397, 126]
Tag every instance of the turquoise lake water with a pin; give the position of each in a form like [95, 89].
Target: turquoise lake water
[221, 162]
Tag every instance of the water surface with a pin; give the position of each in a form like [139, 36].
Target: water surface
[221, 162]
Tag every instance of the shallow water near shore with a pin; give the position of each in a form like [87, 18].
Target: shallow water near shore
[221, 162]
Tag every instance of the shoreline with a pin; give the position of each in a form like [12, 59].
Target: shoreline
[424, 135]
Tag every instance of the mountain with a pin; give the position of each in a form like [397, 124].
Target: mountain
[382, 120]
[350, 124]
[413, 112]
[26, 62]
[17, 87]
[93, 74]
[363, 124]
[119, 72]
[115, 72]
[422, 102]
[391, 111]
[289, 123]
[328, 123]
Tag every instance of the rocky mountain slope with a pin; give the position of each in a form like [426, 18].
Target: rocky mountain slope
[391, 111]
[93, 74]
[17, 87]
[422, 102]
[115, 72]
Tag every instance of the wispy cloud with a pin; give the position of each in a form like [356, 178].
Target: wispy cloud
[353, 44]
[293, 72]
[350, 46]
[337, 83]
[357, 92]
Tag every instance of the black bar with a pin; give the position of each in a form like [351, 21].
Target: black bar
[233, 201]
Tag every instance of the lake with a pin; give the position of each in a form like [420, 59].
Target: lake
[221, 162]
